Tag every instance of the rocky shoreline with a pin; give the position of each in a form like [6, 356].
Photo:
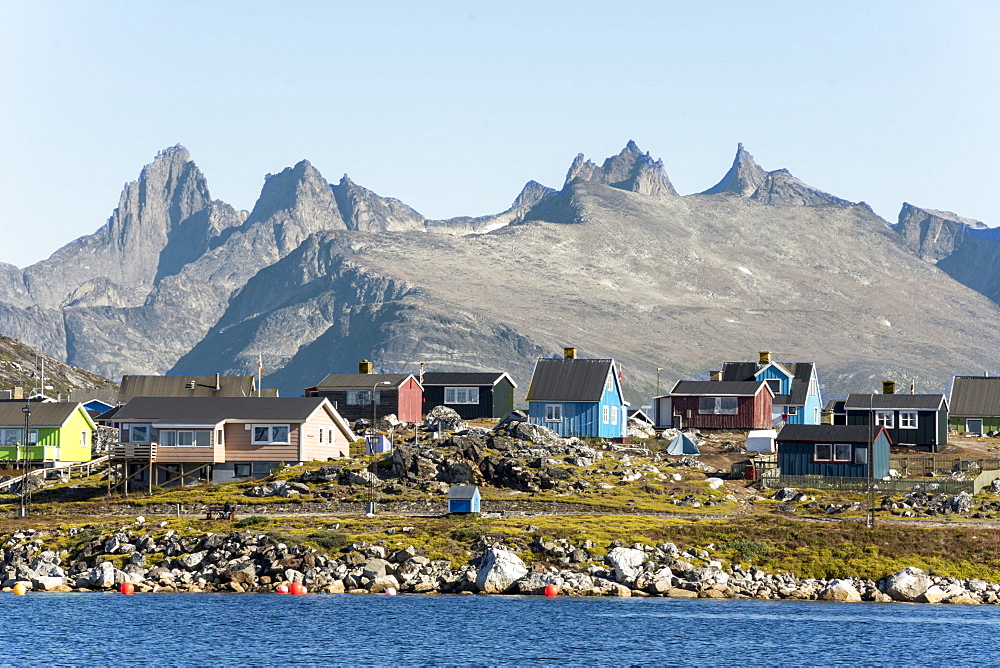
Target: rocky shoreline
[157, 560]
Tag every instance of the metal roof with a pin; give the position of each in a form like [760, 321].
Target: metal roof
[828, 433]
[108, 395]
[918, 402]
[717, 388]
[462, 491]
[472, 379]
[361, 381]
[801, 373]
[213, 410]
[177, 386]
[975, 396]
[561, 379]
[43, 414]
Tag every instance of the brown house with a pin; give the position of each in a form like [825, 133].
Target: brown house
[167, 440]
[351, 393]
[720, 404]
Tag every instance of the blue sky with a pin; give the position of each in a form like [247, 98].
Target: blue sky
[453, 106]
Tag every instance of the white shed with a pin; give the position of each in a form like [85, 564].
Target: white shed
[761, 440]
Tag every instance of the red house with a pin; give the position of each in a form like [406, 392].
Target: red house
[718, 404]
[351, 394]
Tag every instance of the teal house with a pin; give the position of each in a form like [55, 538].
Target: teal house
[578, 397]
[833, 450]
[797, 398]
[463, 499]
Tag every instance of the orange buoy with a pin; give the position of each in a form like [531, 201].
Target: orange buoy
[20, 589]
[127, 588]
[282, 589]
[551, 590]
[296, 588]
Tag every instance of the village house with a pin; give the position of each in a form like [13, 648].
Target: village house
[399, 394]
[913, 420]
[578, 397]
[58, 433]
[837, 451]
[487, 394]
[975, 404]
[715, 404]
[181, 440]
[795, 385]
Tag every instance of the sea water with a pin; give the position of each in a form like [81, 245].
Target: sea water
[266, 629]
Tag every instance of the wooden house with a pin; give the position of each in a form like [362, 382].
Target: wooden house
[795, 385]
[718, 404]
[463, 499]
[57, 432]
[351, 393]
[472, 395]
[840, 451]
[190, 386]
[578, 397]
[915, 420]
[975, 404]
[171, 440]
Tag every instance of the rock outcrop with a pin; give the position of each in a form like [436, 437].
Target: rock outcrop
[630, 170]
[743, 178]
[780, 188]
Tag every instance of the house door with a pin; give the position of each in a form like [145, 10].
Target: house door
[974, 427]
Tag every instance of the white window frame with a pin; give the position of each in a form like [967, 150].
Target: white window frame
[838, 453]
[185, 435]
[270, 435]
[816, 456]
[553, 413]
[614, 415]
[717, 406]
[168, 438]
[461, 395]
[204, 435]
[908, 419]
[610, 385]
[33, 437]
[606, 414]
[362, 398]
[83, 438]
[8, 440]
[148, 438]
[885, 419]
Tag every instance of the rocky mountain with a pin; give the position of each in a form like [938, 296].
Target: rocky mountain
[318, 276]
[23, 366]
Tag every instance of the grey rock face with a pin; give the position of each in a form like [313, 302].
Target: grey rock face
[365, 211]
[630, 170]
[499, 570]
[780, 188]
[743, 178]
[931, 234]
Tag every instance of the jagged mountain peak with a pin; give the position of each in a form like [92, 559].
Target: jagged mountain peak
[780, 188]
[742, 179]
[631, 170]
[531, 194]
[367, 211]
[910, 209]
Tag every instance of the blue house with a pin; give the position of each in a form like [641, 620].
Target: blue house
[463, 499]
[578, 397]
[797, 399]
[833, 450]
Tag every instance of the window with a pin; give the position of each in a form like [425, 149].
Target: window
[606, 414]
[610, 385]
[842, 452]
[614, 415]
[823, 452]
[461, 395]
[242, 471]
[168, 439]
[884, 419]
[774, 384]
[363, 398]
[203, 438]
[792, 410]
[320, 435]
[10, 436]
[908, 420]
[141, 433]
[33, 437]
[266, 434]
[553, 413]
[83, 438]
[860, 455]
[218, 436]
[185, 439]
[717, 406]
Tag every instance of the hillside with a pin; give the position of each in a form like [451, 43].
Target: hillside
[21, 366]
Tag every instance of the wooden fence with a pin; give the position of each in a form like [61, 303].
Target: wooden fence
[932, 465]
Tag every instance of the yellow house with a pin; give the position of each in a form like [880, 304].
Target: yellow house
[57, 432]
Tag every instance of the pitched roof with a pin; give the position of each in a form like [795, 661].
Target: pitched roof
[179, 386]
[828, 433]
[918, 402]
[478, 378]
[213, 410]
[561, 379]
[361, 381]
[801, 372]
[462, 491]
[108, 395]
[977, 396]
[43, 414]
[718, 388]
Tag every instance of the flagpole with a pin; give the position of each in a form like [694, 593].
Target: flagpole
[260, 373]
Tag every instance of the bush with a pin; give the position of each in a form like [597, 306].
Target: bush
[749, 549]
[329, 540]
[252, 521]
[469, 533]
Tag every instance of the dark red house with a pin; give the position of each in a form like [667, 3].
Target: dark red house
[351, 394]
[719, 404]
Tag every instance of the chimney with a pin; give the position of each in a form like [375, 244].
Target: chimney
[569, 353]
[888, 387]
[218, 378]
[715, 375]
[364, 366]
[827, 416]
[18, 392]
[765, 357]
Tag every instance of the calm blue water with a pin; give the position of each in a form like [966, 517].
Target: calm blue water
[256, 629]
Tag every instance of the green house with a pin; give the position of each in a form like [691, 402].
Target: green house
[57, 432]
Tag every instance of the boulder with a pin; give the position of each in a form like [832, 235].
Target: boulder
[939, 593]
[785, 494]
[626, 562]
[960, 503]
[390, 423]
[328, 473]
[380, 584]
[840, 590]
[498, 571]
[907, 584]
[534, 433]
[46, 583]
[447, 418]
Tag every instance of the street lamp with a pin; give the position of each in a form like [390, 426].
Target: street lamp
[371, 444]
[23, 511]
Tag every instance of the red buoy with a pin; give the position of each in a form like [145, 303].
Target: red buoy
[551, 590]
[127, 588]
[296, 588]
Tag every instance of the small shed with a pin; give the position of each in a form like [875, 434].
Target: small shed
[377, 444]
[761, 440]
[463, 499]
